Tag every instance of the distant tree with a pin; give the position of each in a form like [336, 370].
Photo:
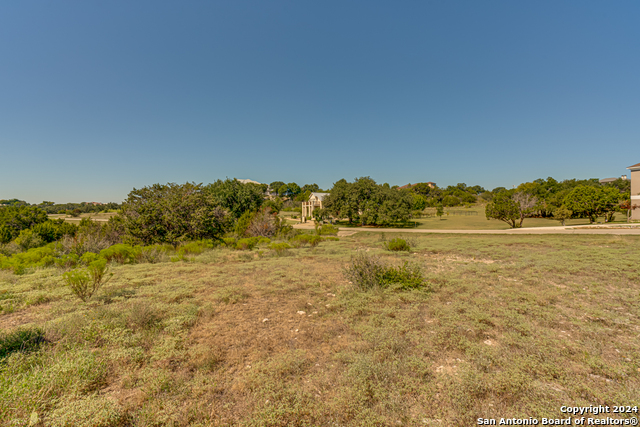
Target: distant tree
[562, 214]
[313, 188]
[476, 189]
[275, 187]
[293, 190]
[526, 205]
[450, 200]
[13, 202]
[421, 188]
[511, 207]
[586, 201]
[339, 203]
[487, 196]
[236, 197]
[623, 185]
[173, 213]
[498, 190]
[439, 211]
[419, 202]
[504, 208]
[368, 202]
[14, 219]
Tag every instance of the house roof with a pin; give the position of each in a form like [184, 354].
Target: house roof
[248, 181]
[413, 185]
[319, 196]
[605, 180]
[636, 166]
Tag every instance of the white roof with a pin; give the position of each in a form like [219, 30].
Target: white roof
[319, 196]
[248, 181]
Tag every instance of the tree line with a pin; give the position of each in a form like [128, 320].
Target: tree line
[560, 200]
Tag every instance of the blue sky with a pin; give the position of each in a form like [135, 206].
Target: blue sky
[99, 97]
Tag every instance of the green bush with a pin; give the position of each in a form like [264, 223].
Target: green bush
[247, 243]
[229, 242]
[28, 240]
[23, 340]
[121, 253]
[398, 245]
[370, 272]
[279, 248]
[85, 283]
[327, 230]
[243, 223]
[196, 247]
[36, 257]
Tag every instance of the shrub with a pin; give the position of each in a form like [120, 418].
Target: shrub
[195, 248]
[265, 223]
[279, 248]
[327, 230]
[22, 340]
[229, 241]
[243, 223]
[121, 253]
[397, 245]
[247, 243]
[85, 283]
[28, 240]
[370, 272]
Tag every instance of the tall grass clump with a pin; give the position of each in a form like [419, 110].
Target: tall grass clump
[370, 272]
[22, 340]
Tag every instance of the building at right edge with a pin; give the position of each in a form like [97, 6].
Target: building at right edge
[635, 192]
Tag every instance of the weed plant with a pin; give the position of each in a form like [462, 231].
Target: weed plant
[371, 272]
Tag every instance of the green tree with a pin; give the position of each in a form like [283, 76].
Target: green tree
[439, 211]
[172, 213]
[368, 202]
[312, 188]
[562, 214]
[419, 201]
[14, 219]
[586, 201]
[275, 187]
[421, 188]
[236, 197]
[504, 208]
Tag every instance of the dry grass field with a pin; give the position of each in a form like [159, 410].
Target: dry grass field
[507, 326]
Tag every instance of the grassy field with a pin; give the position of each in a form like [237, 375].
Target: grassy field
[474, 218]
[507, 326]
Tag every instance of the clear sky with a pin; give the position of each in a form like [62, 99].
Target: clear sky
[98, 97]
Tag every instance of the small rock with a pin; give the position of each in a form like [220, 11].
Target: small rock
[332, 295]
[488, 342]
[265, 320]
[301, 312]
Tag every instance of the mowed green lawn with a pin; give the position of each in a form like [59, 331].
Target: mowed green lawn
[506, 326]
[474, 218]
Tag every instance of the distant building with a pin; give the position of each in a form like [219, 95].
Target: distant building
[248, 181]
[635, 191]
[430, 184]
[608, 180]
[314, 202]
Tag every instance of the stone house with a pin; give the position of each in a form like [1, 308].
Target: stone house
[314, 202]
